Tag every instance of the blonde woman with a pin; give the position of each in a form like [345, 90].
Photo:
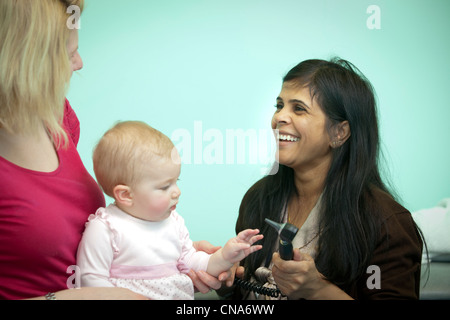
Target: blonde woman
[46, 194]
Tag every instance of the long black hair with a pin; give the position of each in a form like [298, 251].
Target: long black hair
[350, 219]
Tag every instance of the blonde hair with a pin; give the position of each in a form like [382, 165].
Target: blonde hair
[34, 65]
[125, 150]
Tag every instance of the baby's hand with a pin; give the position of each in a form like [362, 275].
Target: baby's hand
[241, 246]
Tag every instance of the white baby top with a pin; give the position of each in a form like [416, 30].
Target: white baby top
[151, 258]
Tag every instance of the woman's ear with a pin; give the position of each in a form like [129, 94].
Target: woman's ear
[341, 133]
[123, 195]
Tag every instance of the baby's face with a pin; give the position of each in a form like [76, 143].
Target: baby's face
[157, 194]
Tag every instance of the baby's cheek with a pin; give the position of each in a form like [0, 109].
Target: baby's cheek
[159, 205]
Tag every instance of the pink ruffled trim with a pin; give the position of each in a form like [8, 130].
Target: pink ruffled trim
[144, 272]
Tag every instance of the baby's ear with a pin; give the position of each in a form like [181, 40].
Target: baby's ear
[123, 195]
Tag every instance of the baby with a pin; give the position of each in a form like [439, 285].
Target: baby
[140, 242]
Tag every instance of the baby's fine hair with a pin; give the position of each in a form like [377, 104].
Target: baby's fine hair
[125, 150]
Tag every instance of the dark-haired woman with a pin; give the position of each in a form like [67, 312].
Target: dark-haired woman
[354, 241]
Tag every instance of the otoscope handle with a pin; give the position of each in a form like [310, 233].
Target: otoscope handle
[286, 250]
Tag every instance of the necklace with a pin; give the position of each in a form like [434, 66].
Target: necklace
[315, 236]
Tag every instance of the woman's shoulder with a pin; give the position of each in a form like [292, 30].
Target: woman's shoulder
[71, 123]
[398, 252]
[396, 219]
[387, 204]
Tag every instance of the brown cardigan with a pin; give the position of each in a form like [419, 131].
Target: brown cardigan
[398, 254]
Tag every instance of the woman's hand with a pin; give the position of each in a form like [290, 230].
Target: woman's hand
[299, 278]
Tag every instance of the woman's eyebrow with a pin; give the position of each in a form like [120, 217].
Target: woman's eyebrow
[295, 101]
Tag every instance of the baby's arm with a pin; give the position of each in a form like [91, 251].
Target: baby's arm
[95, 255]
[234, 251]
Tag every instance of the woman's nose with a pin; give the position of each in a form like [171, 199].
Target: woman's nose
[77, 63]
[281, 117]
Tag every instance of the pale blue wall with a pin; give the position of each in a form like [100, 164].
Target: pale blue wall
[171, 63]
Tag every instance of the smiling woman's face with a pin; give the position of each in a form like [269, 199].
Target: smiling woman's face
[304, 142]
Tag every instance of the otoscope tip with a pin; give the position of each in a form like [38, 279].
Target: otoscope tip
[274, 224]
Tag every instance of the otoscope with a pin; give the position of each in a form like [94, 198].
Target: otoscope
[287, 232]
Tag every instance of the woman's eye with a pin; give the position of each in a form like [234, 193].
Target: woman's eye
[299, 108]
[278, 106]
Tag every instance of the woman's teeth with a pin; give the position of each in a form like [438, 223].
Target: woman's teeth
[286, 137]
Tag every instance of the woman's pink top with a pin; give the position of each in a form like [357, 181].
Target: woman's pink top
[42, 218]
